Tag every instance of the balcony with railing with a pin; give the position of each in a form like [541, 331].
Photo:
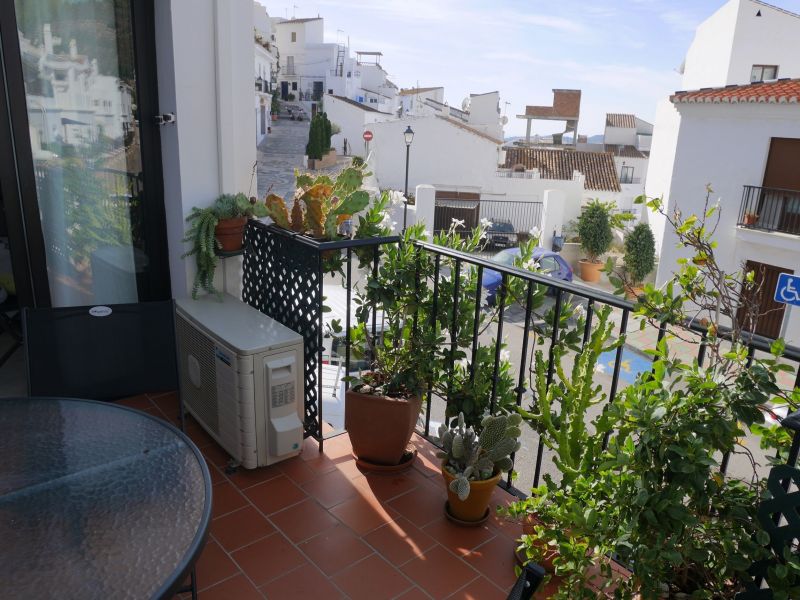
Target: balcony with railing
[770, 209]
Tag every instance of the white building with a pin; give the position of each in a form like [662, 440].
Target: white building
[744, 41]
[70, 101]
[377, 90]
[413, 101]
[310, 67]
[744, 140]
[353, 119]
[266, 68]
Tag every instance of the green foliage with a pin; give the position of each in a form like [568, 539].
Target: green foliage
[275, 105]
[595, 227]
[201, 234]
[640, 252]
[319, 136]
[470, 456]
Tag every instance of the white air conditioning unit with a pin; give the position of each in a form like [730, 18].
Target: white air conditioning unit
[241, 377]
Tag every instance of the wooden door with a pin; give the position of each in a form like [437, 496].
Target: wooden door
[780, 203]
[770, 312]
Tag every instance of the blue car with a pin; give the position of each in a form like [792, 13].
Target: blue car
[550, 263]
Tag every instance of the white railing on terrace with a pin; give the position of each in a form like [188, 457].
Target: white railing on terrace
[517, 174]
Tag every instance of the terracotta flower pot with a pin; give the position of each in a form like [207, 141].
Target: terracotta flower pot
[590, 271]
[380, 427]
[230, 233]
[632, 292]
[474, 508]
[750, 219]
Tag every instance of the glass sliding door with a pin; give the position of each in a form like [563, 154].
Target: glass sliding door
[98, 209]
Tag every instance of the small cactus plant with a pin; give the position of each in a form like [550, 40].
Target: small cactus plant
[472, 457]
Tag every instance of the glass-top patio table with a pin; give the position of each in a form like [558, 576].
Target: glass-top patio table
[96, 501]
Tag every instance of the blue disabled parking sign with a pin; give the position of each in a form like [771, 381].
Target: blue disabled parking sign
[788, 289]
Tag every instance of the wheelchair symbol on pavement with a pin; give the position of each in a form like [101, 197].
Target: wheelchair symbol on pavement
[788, 289]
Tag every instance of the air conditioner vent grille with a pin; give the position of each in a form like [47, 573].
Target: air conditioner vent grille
[203, 400]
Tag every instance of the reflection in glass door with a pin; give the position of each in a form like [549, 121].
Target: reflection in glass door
[81, 95]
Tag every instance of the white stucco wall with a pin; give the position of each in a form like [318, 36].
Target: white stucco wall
[204, 51]
[726, 146]
[733, 39]
[708, 58]
[662, 157]
[771, 39]
[352, 120]
[620, 135]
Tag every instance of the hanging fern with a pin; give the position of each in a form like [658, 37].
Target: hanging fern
[204, 247]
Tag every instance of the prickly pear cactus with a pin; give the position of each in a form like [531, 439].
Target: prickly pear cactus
[470, 457]
[298, 217]
[276, 209]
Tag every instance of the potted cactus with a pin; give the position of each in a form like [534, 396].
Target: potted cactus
[472, 464]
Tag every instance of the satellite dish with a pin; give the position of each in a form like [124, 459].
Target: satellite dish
[504, 120]
[465, 104]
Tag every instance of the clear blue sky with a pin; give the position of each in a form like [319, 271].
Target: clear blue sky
[623, 54]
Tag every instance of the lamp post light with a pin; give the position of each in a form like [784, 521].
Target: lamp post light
[408, 134]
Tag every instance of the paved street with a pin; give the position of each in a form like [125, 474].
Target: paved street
[281, 153]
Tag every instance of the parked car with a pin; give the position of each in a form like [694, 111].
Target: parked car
[550, 263]
[501, 234]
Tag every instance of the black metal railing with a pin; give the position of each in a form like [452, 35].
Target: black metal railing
[770, 209]
[283, 277]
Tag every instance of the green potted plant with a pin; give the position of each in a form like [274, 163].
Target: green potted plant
[473, 463]
[595, 229]
[383, 403]
[275, 107]
[639, 260]
[218, 228]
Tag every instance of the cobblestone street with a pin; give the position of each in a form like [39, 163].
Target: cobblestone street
[281, 153]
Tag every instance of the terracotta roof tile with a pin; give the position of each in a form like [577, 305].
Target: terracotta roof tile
[621, 120]
[597, 167]
[412, 91]
[624, 151]
[782, 91]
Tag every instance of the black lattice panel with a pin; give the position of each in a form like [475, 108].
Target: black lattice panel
[282, 280]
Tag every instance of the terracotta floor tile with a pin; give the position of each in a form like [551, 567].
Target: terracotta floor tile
[480, 589]
[216, 455]
[439, 573]
[197, 434]
[495, 559]
[238, 587]
[168, 403]
[335, 549]
[297, 470]
[400, 541]
[245, 478]
[456, 538]
[338, 447]
[213, 566]
[140, 402]
[348, 468]
[304, 582]
[384, 487]
[331, 488]
[268, 558]
[303, 520]
[215, 473]
[414, 594]
[274, 495]
[372, 579]
[240, 528]
[421, 505]
[362, 515]
[225, 499]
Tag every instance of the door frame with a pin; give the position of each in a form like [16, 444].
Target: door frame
[18, 182]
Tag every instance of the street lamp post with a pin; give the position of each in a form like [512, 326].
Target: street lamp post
[408, 134]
